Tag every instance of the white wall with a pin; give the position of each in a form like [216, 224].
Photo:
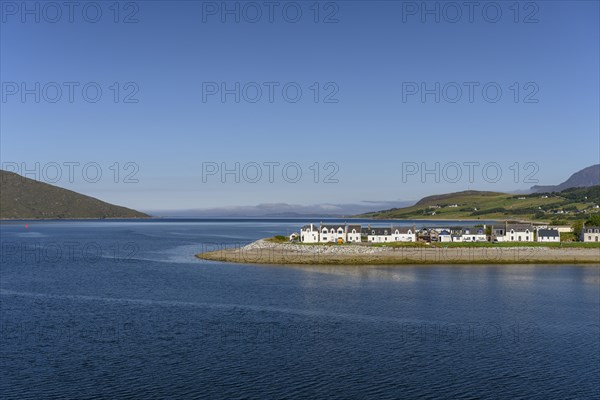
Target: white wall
[354, 237]
[474, 238]
[309, 236]
[514, 236]
[591, 237]
[548, 239]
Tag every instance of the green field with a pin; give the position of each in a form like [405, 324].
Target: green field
[561, 208]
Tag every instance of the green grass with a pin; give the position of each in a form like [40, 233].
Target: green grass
[499, 206]
[279, 239]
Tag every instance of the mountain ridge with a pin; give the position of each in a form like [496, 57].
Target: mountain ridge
[25, 198]
[585, 177]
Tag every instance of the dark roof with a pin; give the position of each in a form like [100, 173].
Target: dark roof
[357, 227]
[403, 229]
[519, 227]
[329, 227]
[590, 229]
[305, 227]
[474, 231]
[548, 232]
[379, 231]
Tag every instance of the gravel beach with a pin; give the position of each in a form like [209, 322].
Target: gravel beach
[267, 252]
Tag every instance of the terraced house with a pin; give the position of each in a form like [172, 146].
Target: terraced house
[330, 233]
[354, 233]
[391, 234]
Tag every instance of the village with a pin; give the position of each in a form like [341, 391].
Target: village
[504, 232]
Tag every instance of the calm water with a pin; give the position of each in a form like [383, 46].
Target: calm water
[123, 309]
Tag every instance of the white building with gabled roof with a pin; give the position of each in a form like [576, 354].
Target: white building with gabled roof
[590, 234]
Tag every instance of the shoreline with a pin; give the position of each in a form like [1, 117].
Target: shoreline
[266, 252]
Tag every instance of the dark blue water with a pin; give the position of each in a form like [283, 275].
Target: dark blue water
[123, 309]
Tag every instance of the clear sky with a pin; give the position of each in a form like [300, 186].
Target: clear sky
[372, 113]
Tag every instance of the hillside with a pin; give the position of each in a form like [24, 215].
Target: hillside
[568, 205]
[587, 177]
[24, 198]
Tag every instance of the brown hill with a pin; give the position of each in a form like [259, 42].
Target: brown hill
[24, 198]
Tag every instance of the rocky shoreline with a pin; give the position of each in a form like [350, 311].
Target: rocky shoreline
[266, 252]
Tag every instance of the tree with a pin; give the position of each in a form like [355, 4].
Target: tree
[577, 225]
[594, 220]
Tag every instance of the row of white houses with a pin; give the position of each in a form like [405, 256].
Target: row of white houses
[342, 233]
[507, 232]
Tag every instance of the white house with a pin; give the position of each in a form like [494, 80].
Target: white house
[331, 233]
[400, 234]
[391, 234]
[444, 235]
[513, 233]
[590, 234]
[474, 235]
[309, 234]
[519, 232]
[354, 234]
[378, 235]
[548, 235]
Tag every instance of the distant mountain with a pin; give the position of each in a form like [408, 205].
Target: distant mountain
[589, 176]
[454, 197]
[24, 198]
[284, 210]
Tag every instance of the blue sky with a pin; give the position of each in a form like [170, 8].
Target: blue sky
[365, 121]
